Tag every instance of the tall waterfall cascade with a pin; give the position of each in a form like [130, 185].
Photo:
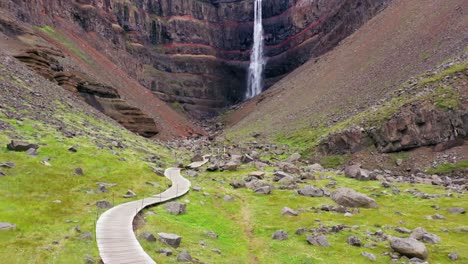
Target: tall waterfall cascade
[257, 61]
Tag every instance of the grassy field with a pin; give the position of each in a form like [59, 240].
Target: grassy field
[246, 224]
[48, 202]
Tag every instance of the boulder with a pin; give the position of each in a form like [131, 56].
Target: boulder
[456, 210]
[310, 191]
[315, 167]
[147, 236]
[353, 171]
[354, 241]
[278, 175]
[280, 235]
[263, 190]
[430, 238]
[7, 226]
[418, 233]
[184, 256]
[368, 255]
[257, 174]
[103, 204]
[294, 157]
[196, 158]
[79, 171]
[289, 168]
[164, 251]
[318, 240]
[172, 240]
[289, 211]
[15, 145]
[255, 184]
[176, 208]
[231, 166]
[288, 180]
[409, 247]
[32, 152]
[237, 184]
[211, 234]
[351, 198]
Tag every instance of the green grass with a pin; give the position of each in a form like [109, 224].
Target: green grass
[67, 43]
[28, 192]
[246, 224]
[333, 161]
[447, 168]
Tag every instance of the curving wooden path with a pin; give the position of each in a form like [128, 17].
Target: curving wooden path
[198, 164]
[114, 230]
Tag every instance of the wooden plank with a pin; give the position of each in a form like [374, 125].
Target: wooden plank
[114, 231]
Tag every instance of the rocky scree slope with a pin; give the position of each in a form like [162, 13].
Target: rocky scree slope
[184, 51]
[66, 57]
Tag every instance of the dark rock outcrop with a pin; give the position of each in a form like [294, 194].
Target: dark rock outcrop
[187, 49]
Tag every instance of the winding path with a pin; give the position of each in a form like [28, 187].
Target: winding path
[114, 230]
[198, 164]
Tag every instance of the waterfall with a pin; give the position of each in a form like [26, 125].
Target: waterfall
[257, 62]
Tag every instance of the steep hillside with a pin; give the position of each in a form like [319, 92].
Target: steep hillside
[364, 71]
[184, 51]
[78, 62]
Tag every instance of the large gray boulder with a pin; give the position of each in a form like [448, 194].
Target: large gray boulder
[263, 190]
[184, 256]
[147, 236]
[409, 247]
[350, 198]
[352, 171]
[310, 191]
[318, 240]
[172, 240]
[176, 208]
[280, 235]
[255, 184]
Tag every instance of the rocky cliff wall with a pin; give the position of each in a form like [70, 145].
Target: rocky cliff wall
[196, 52]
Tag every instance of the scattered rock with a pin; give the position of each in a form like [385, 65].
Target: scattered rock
[147, 236]
[257, 174]
[286, 181]
[176, 208]
[86, 236]
[352, 171]
[368, 255]
[32, 152]
[453, 256]
[263, 190]
[289, 168]
[197, 188]
[418, 233]
[280, 235]
[236, 184]
[351, 198]
[196, 158]
[456, 210]
[172, 240]
[318, 240]
[278, 175]
[164, 251]
[354, 241]
[191, 173]
[438, 217]
[129, 194]
[9, 165]
[430, 238]
[255, 184]
[89, 259]
[289, 211]
[72, 149]
[154, 184]
[315, 167]
[294, 157]
[217, 251]
[159, 171]
[2, 173]
[79, 171]
[7, 226]
[15, 145]
[402, 230]
[310, 191]
[231, 166]
[211, 234]
[409, 247]
[184, 256]
[228, 198]
[103, 204]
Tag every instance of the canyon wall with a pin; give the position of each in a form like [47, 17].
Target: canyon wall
[195, 53]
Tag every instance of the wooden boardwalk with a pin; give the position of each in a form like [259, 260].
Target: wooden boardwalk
[114, 230]
[198, 164]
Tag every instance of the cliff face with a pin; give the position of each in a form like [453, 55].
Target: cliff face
[196, 52]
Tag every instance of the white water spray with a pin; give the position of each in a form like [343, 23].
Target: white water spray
[257, 62]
